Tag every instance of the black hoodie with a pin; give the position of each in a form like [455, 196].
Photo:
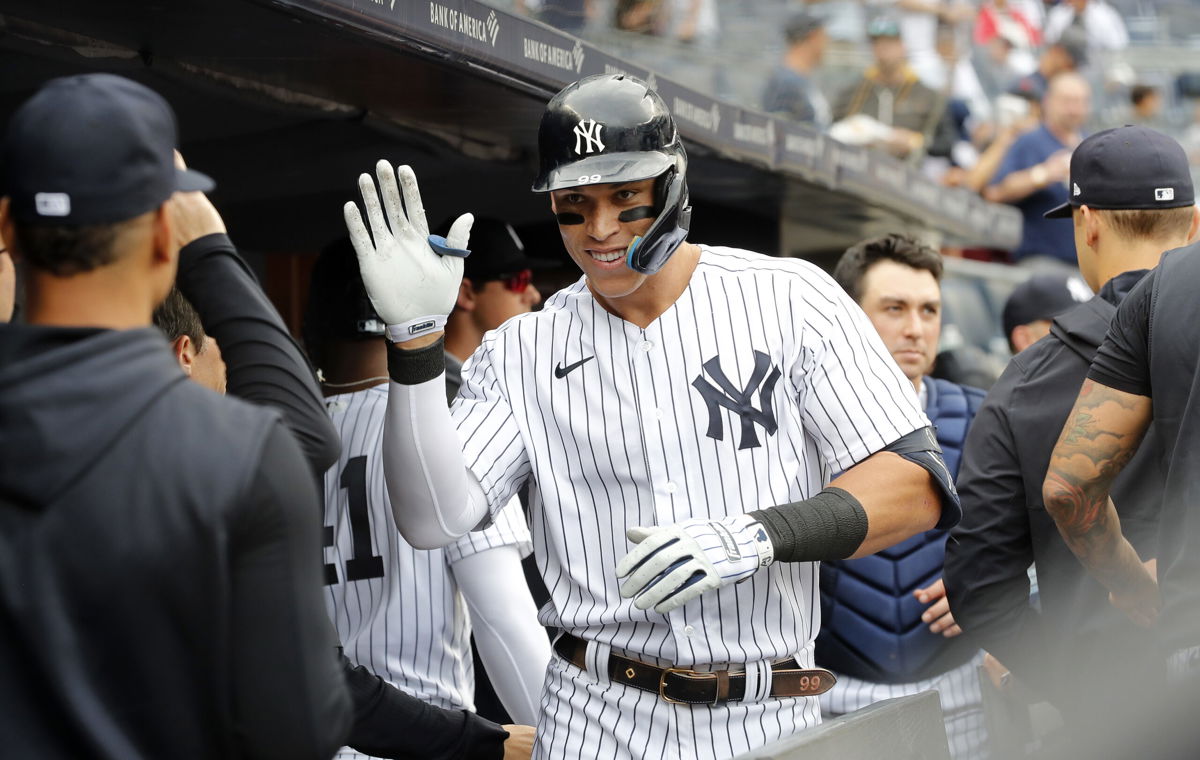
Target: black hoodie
[159, 583]
[1072, 631]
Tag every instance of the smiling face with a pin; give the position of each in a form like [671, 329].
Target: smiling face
[905, 305]
[598, 245]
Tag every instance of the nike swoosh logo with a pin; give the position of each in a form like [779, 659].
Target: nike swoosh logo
[560, 371]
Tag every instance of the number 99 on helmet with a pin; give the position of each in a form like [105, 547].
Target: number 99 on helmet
[613, 128]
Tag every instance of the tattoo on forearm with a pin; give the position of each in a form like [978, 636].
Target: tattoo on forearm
[1100, 438]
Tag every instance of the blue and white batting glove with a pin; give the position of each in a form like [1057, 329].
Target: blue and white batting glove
[412, 285]
[673, 564]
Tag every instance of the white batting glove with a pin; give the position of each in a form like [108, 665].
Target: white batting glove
[673, 564]
[412, 287]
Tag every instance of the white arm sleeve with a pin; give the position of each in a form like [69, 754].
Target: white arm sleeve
[514, 647]
[435, 498]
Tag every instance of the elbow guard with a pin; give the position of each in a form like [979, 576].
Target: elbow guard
[921, 448]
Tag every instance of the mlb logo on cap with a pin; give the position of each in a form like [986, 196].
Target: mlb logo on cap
[1128, 168]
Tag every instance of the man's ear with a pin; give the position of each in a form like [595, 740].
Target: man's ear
[163, 234]
[1091, 225]
[1019, 338]
[1194, 230]
[185, 353]
[466, 296]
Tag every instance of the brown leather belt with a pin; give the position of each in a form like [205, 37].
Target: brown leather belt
[684, 686]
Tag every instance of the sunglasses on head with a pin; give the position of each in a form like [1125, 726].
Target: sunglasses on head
[517, 282]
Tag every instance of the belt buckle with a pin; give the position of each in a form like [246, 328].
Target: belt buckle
[662, 685]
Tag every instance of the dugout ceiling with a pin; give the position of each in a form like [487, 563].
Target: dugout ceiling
[284, 102]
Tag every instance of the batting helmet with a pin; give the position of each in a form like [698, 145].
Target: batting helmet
[338, 307]
[613, 128]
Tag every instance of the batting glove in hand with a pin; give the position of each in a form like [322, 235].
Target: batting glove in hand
[673, 564]
[412, 287]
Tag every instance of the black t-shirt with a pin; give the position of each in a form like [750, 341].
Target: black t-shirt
[1123, 360]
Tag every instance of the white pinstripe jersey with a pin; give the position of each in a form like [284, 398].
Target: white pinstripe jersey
[762, 379]
[397, 609]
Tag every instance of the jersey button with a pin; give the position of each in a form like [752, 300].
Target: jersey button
[671, 487]
[646, 346]
[689, 630]
[658, 414]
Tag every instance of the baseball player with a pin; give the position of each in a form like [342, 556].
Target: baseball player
[677, 413]
[401, 612]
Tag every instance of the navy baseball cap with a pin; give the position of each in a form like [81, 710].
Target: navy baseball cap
[92, 149]
[1043, 296]
[1128, 168]
[496, 251]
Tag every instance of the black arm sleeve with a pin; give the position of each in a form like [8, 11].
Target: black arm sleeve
[1123, 360]
[389, 723]
[266, 366]
[289, 692]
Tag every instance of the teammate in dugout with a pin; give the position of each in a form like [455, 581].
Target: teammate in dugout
[677, 413]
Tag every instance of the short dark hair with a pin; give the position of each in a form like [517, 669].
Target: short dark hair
[176, 317]
[1140, 92]
[1152, 224]
[852, 267]
[65, 250]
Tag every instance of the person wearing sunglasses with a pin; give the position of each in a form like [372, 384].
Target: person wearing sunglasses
[497, 285]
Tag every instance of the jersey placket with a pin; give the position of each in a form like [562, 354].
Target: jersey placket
[654, 400]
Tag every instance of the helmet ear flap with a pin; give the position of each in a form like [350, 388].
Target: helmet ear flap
[648, 253]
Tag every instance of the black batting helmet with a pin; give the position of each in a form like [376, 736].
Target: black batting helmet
[338, 308]
[614, 128]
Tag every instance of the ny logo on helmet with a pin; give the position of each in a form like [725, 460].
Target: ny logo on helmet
[589, 131]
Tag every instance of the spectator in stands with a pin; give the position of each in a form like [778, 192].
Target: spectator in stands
[918, 23]
[1015, 24]
[873, 636]
[1191, 137]
[954, 74]
[914, 116]
[1103, 28]
[1033, 174]
[568, 15]
[791, 90]
[1068, 53]
[1147, 104]
[639, 16]
[1032, 304]
[691, 21]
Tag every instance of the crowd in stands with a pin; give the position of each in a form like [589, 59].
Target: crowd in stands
[960, 88]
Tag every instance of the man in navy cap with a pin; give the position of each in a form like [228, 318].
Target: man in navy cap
[1131, 199]
[497, 285]
[1033, 303]
[159, 550]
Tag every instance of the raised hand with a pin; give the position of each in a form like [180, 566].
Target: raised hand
[412, 286]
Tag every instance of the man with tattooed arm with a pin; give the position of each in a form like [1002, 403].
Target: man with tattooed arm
[1147, 371]
[1070, 646]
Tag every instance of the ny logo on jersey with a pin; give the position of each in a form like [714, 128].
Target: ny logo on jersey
[738, 401]
[589, 131]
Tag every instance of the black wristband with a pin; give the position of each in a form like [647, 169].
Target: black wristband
[831, 525]
[418, 365]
